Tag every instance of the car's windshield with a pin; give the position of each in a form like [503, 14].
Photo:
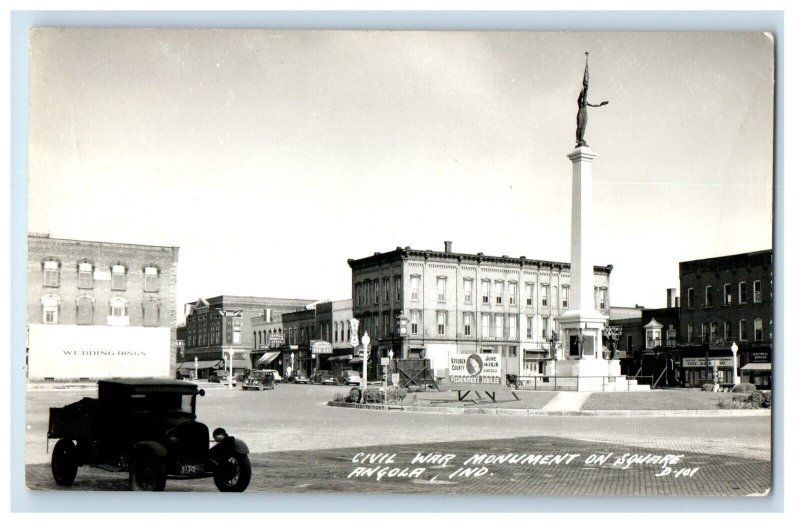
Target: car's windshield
[162, 402]
[258, 374]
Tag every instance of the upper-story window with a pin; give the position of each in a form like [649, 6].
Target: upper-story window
[376, 283]
[757, 291]
[85, 279]
[485, 325]
[150, 311]
[758, 330]
[498, 292]
[498, 325]
[742, 292]
[690, 297]
[150, 279]
[709, 291]
[414, 322]
[50, 303]
[118, 278]
[50, 268]
[512, 327]
[118, 309]
[512, 293]
[529, 294]
[467, 324]
[386, 290]
[727, 295]
[544, 292]
[468, 283]
[397, 288]
[485, 291]
[441, 288]
[441, 322]
[565, 296]
[415, 288]
[743, 330]
[603, 297]
[358, 295]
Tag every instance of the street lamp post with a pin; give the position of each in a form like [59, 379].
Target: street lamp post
[734, 350]
[196, 376]
[365, 344]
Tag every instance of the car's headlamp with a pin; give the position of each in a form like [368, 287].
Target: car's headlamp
[219, 434]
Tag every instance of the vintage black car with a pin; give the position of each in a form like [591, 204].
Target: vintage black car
[260, 380]
[147, 427]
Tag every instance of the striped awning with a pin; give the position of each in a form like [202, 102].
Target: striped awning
[268, 357]
[758, 366]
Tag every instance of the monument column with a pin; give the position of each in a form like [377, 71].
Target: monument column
[581, 295]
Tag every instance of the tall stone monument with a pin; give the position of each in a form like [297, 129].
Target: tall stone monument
[581, 326]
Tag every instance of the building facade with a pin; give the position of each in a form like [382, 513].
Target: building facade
[462, 303]
[221, 328]
[100, 309]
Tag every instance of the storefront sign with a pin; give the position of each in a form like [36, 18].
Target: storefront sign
[72, 352]
[321, 347]
[701, 362]
[477, 369]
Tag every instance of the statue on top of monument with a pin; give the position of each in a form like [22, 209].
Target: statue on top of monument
[583, 116]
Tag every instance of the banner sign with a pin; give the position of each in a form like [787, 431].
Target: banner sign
[98, 351]
[474, 369]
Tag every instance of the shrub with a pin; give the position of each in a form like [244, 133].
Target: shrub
[396, 395]
[744, 387]
[354, 396]
[756, 397]
[339, 398]
[708, 387]
[767, 402]
[751, 401]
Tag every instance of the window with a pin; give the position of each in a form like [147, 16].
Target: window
[414, 322]
[237, 332]
[150, 279]
[708, 294]
[529, 294]
[415, 288]
[758, 330]
[757, 291]
[485, 325]
[498, 292]
[498, 326]
[358, 295]
[397, 288]
[467, 324]
[118, 308]
[544, 292]
[690, 297]
[727, 296]
[529, 327]
[726, 329]
[441, 322]
[742, 292]
[565, 296]
[50, 273]
[118, 278]
[50, 305]
[713, 331]
[546, 327]
[386, 318]
[743, 330]
[151, 313]
[603, 297]
[85, 280]
[467, 291]
[512, 293]
[485, 290]
[85, 307]
[441, 288]
[690, 332]
[377, 289]
[704, 331]
[512, 327]
[386, 291]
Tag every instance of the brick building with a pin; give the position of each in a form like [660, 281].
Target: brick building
[100, 309]
[461, 303]
[219, 327]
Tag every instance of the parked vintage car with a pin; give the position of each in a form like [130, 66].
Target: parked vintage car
[259, 380]
[323, 377]
[300, 377]
[275, 374]
[220, 376]
[350, 377]
[148, 428]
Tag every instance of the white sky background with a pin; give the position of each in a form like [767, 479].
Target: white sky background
[270, 158]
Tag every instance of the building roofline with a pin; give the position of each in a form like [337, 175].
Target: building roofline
[407, 253]
[39, 236]
[727, 257]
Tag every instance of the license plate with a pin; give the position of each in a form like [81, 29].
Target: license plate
[191, 469]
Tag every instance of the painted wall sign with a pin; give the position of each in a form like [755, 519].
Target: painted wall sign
[73, 351]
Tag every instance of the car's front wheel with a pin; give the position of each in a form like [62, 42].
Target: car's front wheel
[233, 473]
[64, 463]
[148, 473]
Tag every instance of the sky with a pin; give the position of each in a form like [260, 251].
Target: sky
[271, 157]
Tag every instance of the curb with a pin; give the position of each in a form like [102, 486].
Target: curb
[539, 412]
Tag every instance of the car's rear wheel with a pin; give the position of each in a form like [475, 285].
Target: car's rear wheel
[64, 462]
[233, 473]
[148, 473]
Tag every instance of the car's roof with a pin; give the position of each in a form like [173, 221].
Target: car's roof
[144, 385]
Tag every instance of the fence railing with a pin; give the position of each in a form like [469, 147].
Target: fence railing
[566, 383]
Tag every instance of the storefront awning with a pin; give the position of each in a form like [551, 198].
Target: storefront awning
[200, 365]
[356, 361]
[339, 358]
[268, 357]
[758, 366]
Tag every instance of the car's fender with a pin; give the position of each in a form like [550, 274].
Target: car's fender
[227, 445]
